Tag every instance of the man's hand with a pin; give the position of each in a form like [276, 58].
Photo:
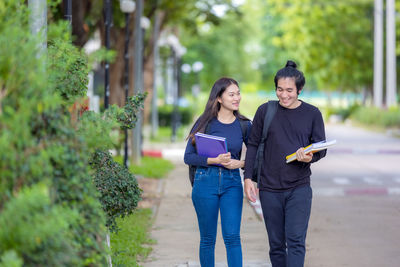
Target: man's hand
[250, 190]
[301, 156]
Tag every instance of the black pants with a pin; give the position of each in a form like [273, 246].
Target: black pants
[286, 216]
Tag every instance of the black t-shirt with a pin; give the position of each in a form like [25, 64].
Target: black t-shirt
[290, 129]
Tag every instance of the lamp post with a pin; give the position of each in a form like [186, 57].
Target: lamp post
[195, 68]
[177, 51]
[127, 7]
[391, 90]
[38, 22]
[68, 10]
[378, 53]
[138, 74]
[108, 24]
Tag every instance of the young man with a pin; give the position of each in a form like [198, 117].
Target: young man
[284, 188]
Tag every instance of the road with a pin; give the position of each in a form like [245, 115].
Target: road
[355, 217]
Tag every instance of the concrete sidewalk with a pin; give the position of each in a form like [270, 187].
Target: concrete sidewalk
[176, 232]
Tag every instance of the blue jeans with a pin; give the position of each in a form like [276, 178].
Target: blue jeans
[286, 216]
[217, 190]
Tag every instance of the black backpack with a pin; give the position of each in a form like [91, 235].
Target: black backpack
[272, 106]
[192, 168]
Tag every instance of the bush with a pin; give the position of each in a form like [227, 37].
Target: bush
[47, 195]
[165, 115]
[375, 116]
[119, 189]
[344, 113]
[42, 145]
[30, 226]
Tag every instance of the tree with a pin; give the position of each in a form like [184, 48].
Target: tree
[332, 41]
[87, 18]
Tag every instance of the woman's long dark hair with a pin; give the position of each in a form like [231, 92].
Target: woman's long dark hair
[213, 106]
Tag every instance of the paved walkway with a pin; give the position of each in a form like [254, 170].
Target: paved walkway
[339, 223]
[176, 231]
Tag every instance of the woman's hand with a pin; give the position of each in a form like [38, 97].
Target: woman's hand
[233, 164]
[303, 157]
[221, 159]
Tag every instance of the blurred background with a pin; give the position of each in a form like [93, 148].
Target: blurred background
[187, 45]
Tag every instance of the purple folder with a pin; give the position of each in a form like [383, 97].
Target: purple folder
[210, 145]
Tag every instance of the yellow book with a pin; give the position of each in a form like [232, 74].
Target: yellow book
[315, 147]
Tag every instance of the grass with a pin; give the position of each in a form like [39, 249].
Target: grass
[164, 134]
[150, 167]
[131, 243]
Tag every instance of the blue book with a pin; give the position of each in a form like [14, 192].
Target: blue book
[210, 145]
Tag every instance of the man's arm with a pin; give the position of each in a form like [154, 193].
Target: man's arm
[252, 145]
[318, 134]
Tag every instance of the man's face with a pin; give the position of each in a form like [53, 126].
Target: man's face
[286, 92]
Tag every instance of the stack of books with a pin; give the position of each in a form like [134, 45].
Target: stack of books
[315, 147]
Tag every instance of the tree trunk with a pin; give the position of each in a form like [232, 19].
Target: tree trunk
[148, 66]
[117, 93]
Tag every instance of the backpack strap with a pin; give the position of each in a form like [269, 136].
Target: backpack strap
[272, 106]
[243, 126]
[207, 130]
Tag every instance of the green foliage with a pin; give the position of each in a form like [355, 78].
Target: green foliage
[226, 48]
[10, 259]
[38, 231]
[377, 117]
[332, 42]
[165, 115]
[69, 70]
[118, 187]
[129, 244]
[97, 128]
[343, 112]
[369, 116]
[128, 116]
[60, 223]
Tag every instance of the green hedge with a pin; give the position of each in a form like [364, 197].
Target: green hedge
[386, 118]
[374, 116]
[165, 115]
[53, 205]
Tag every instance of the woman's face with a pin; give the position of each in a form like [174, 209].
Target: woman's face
[230, 98]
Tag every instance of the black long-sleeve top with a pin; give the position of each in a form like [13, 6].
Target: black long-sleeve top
[290, 129]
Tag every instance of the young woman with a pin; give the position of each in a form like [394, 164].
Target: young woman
[219, 189]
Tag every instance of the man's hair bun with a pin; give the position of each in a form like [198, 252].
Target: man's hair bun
[290, 63]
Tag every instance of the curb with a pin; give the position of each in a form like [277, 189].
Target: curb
[164, 153]
[379, 191]
[363, 151]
